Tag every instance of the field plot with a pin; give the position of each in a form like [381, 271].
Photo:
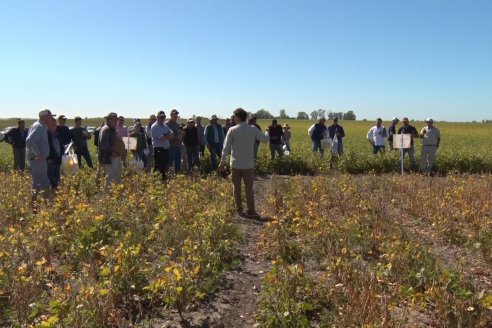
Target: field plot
[339, 250]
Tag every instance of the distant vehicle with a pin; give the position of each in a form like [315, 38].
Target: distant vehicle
[4, 132]
[91, 129]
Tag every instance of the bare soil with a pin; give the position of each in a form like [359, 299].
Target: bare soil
[235, 303]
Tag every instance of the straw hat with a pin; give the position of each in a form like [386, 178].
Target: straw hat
[286, 126]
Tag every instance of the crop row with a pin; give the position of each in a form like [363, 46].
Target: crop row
[94, 259]
[342, 258]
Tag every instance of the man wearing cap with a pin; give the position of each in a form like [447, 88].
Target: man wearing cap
[175, 142]
[286, 136]
[191, 142]
[37, 151]
[431, 139]
[111, 149]
[239, 144]
[161, 134]
[63, 132]
[214, 139]
[376, 136]
[412, 131]
[79, 136]
[392, 131]
[17, 138]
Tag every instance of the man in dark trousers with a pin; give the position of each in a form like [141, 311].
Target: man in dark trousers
[275, 133]
[17, 138]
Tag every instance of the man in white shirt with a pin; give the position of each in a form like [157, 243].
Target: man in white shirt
[239, 143]
[376, 136]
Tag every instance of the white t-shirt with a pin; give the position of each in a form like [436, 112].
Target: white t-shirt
[377, 135]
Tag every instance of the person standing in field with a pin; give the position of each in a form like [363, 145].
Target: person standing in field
[412, 131]
[140, 152]
[63, 133]
[175, 143]
[392, 131]
[191, 141]
[201, 136]
[317, 132]
[376, 136]
[239, 143]
[16, 137]
[79, 136]
[55, 157]
[275, 133]
[336, 133]
[148, 133]
[214, 139]
[37, 151]
[286, 136]
[253, 122]
[111, 150]
[431, 139]
[161, 134]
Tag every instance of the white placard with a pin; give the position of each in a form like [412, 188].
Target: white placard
[130, 143]
[402, 140]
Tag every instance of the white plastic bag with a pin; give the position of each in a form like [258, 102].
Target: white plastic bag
[136, 164]
[286, 150]
[70, 163]
[334, 144]
[326, 143]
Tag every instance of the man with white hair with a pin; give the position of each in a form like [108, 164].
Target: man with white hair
[37, 152]
[431, 138]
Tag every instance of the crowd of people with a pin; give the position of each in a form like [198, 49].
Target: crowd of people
[377, 137]
[161, 144]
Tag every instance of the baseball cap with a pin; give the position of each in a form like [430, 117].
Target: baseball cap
[161, 113]
[190, 120]
[174, 111]
[62, 117]
[395, 119]
[45, 112]
[77, 118]
[427, 120]
[111, 115]
[214, 117]
[136, 120]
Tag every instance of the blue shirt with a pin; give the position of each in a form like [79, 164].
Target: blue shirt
[37, 144]
[157, 131]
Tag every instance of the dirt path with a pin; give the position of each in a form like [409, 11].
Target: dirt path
[235, 303]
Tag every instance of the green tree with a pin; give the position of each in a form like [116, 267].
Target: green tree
[302, 116]
[350, 115]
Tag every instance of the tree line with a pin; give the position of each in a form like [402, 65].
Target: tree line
[316, 114]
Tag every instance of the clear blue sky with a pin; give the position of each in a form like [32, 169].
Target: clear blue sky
[385, 58]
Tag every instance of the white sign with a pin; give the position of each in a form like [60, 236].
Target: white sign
[402, 140]
[130, 143]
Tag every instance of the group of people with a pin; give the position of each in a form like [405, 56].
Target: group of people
[430, 135]
[377, 137]
[159, 144]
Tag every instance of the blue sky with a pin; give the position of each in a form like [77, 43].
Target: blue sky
[388, 58]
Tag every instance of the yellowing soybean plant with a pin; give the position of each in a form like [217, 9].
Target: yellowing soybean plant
[338, 249]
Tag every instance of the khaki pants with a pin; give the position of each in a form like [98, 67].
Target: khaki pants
[112, 171]
[427, 158]
[248, 175]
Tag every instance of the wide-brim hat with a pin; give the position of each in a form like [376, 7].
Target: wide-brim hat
[286, 126]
